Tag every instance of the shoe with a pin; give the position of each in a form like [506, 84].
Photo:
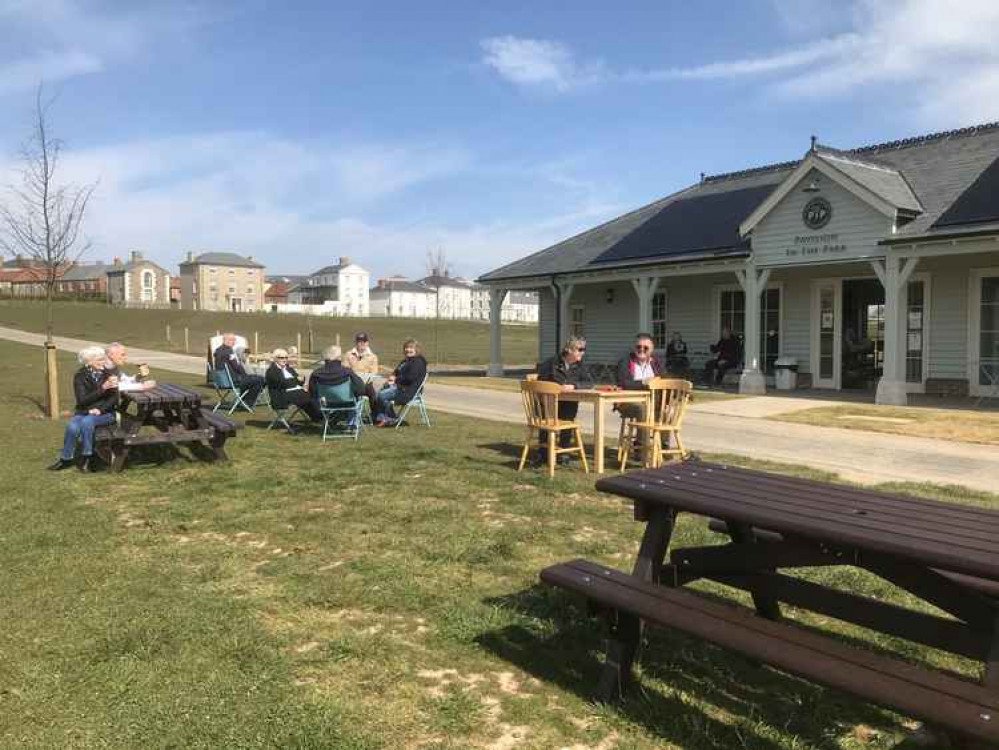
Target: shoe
[61, 464]
[563, 460]
[84, 464]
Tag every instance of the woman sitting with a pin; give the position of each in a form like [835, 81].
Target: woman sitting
[286, 387]
[402, 385]
[677, 361]
[96, 392]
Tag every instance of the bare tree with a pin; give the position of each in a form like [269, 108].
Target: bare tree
[41, 220]
[437, 272]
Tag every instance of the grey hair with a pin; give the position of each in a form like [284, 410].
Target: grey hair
[571, 343]
[114, 345]
[279, 353]
[89, 353]
[332, 353]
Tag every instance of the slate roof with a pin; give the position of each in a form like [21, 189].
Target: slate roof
[926, 174]
[223, 259]
[87, 272]
[436, 280]
[402, 286]
[133, 264]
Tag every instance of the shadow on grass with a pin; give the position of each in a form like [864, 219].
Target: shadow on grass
[687, 691]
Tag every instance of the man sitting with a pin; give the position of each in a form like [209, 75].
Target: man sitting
[285, 387]
[334, 373]
[361, 359]
[726, 357]
[226, 355]
[677, 361]
[567, 370]
[635, 370]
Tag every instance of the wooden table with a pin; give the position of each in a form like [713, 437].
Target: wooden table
[599, 399]
[164, 413]
[941, 553]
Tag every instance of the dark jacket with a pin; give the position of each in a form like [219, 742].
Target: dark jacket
[625, 372]
[224, 355]
[278, 385]
[409, 376]
[727, 349]
[334, 373]
[555, 370]
[676, 350]
[90, 395]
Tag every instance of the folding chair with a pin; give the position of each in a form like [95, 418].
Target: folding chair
[988, 378]
[228, 394]
[339, 400]
[280, 416]
[420, 403]
[541, 408]
[669, 403]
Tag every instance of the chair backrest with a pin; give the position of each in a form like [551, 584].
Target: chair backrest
[540, 402]
[335, 395]
[532, 376]
[215, 342]
[222, 378]
[670, 397]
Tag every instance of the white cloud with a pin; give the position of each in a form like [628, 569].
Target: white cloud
[18, 75]
[941, 55]
[538, 62]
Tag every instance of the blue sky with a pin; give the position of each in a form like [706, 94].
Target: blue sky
[298, 132]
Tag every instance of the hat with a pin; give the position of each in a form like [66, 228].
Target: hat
[361, 336]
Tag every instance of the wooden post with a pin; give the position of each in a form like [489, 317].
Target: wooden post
[338, 339]
[256, 343]
[187, 344]
[299, 343]
[311, 347]
[51, 381]
[168, 333]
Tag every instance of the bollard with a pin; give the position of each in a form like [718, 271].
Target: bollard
[168, 333]
[338, 339]
[187, 345]
[311, 347]
[256, 343]
[298, 342]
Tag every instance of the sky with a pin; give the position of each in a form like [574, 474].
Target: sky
[299, 132]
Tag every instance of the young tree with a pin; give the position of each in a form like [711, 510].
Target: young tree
[437, 272]
[40, 219]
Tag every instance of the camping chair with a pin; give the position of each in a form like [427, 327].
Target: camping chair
[228, 394]
[669, 403]
[420, 403]
[541, 408]
[339, 400]
[281, 416]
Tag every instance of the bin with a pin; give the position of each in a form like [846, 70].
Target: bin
[786, 373]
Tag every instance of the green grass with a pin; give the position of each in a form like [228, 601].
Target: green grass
[382, 594]
[459, 342]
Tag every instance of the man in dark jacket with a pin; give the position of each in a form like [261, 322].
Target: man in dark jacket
[726, 357]
[225, 356]
[285, 387]
[566, 369]
[333, 373]
[635, 370]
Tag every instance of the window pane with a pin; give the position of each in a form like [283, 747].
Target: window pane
[990, 289]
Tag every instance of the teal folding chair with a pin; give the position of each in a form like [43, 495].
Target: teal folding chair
[338, 401]
[419, 402]
[230, 397]
[281, 416]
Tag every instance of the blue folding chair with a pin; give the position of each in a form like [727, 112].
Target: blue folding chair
[419, 402]
[339, 401]
[230, 397]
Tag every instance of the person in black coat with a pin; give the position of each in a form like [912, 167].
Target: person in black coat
[224, 356]
[286, 387]
[96, 394]
[677, 360]
[726, 357]
[402, 385]
[568, 371]
[332, 373]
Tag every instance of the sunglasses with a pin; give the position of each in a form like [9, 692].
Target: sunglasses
[280, 358]
[643, 348]
[580, 348]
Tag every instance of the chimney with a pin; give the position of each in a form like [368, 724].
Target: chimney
[136, 256]
[117, 260]
[190, 256]
[344, 260]
[249, 258]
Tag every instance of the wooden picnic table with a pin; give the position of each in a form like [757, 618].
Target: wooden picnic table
[944, 554]
[165, 413]
[601, 398]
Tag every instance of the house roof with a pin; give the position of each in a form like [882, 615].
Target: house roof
[402, 286]
[278, 289]
[223, 259]
[924, 176]
[134, 264]
[437, 280]
[288, 279]
[87, 272]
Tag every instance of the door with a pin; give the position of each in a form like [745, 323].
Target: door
[827, 317]
[237, 304]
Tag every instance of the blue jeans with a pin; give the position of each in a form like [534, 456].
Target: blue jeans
[81, 427]
[384, 398]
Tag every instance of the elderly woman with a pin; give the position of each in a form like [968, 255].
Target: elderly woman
[287, 388]
[402, 385]
[96, 393]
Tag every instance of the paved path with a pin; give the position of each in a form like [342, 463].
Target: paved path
[726, 426]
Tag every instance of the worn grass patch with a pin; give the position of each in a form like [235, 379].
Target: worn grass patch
[378, 594]
[944, 424]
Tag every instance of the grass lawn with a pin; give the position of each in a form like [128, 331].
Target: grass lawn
[460, 342]
[946, 424]
[379, 594]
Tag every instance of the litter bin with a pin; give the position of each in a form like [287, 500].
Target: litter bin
[786, 373]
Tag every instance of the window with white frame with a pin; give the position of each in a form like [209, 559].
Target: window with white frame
[659, 333]
[577, 321]
[914, 324]
[148, 292]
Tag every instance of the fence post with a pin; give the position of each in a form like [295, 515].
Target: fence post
[187, 346]
[299, 344]
[311, 347]
[256, 343]
[168, 333]
[338, 339]
[51, 381]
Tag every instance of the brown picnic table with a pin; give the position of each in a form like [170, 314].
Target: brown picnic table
[946, 555]
[163, 414]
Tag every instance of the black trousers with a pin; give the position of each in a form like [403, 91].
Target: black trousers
[303, 401]
[715, 370]
[253, 384]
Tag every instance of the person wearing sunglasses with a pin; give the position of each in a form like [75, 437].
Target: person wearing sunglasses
[287, 388]
[566, 369]
[637, 369]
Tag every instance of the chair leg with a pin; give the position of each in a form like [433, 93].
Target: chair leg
[620, 440]
[629, 438]
[551, 454]
[582, 451]
[527, 449]
[679, 446]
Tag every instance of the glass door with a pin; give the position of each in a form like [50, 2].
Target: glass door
[826, 323]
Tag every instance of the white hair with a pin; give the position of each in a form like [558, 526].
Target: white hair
[279, 353]
[89, 353]
[332, 353]
[114, 345]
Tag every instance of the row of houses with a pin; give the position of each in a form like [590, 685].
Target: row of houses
[223, 281]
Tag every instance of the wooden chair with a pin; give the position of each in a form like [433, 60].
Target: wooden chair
[669, 403]
[541, 407]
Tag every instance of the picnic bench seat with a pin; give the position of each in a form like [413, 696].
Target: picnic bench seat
[969, 710]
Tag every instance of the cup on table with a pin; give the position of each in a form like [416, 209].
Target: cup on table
[143, 371]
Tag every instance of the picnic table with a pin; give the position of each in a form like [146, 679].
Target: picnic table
[600, 398]
[165, 413]
[944, 554]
